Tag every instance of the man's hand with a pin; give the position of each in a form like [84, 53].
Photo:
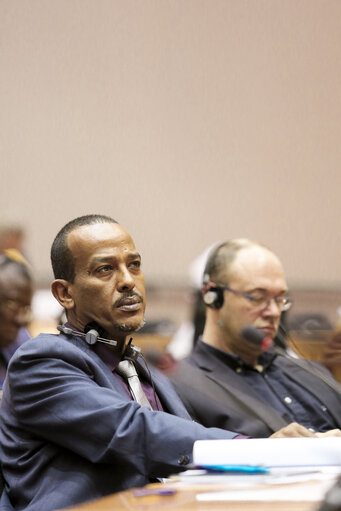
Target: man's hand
[331, 432]
[297, 430]
[292, 430]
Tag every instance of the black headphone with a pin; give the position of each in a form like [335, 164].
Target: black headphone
[91, 335]
[213, 295]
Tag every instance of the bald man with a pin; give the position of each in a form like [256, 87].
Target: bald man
[238, 384]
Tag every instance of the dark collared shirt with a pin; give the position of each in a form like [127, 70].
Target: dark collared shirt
[277, 389]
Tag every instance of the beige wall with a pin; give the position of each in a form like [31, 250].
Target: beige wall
[188, 121]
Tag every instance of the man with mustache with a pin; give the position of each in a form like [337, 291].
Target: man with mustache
[233, 383]
[70, 429]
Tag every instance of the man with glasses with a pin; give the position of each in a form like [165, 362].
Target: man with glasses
[16, 289]
[234, 382]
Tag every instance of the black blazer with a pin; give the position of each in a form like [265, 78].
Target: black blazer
[215, 395]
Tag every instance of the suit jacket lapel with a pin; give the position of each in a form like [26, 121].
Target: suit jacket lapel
[164, 389]
[238, 390]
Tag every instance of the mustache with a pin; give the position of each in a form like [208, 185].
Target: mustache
[120, 301]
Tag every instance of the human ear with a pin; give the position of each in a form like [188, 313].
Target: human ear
[61, 291]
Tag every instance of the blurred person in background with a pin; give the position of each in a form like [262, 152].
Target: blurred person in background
[16, 290]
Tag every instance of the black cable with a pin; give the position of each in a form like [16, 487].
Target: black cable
[284, 344]
[151, 382]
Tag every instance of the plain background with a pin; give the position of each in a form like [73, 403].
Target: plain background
[190, 122]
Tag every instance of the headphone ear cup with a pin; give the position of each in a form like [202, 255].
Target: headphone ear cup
[214, 297]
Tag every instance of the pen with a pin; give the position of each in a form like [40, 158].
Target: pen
[144, 492]
[248, 469]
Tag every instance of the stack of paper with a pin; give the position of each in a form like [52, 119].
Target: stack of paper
[273, 452]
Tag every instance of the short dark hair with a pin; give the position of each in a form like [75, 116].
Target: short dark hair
[222, 256]
[61, 256]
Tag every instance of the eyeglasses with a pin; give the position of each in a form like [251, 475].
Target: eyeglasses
[18, 308]
[262, 300]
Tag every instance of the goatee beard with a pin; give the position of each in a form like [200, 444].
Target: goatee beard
[122, 327]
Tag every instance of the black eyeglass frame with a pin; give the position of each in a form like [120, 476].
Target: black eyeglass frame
[283, 302]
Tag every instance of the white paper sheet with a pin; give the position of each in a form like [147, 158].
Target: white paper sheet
[273, 452]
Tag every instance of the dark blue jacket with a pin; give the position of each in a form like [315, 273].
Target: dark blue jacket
[69, 432]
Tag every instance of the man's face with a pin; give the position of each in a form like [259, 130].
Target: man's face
[15, 301]
[109, 285]
[254, 269]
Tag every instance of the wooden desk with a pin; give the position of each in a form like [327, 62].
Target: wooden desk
[184, 500]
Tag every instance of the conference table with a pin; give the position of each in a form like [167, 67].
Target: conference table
[184, 498]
